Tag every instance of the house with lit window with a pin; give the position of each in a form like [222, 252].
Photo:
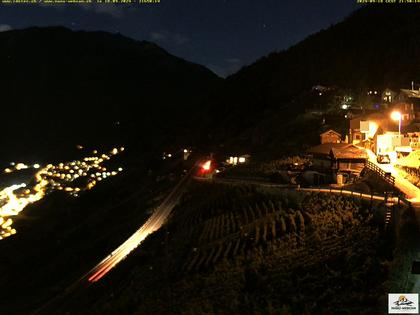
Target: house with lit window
[330, 136]
[388, 97]
[338, 158]
[365, 127]
[386, 142]
[407, 102]
[413, 140]
[401, 144]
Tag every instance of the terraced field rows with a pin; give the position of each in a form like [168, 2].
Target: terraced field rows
[289, 235]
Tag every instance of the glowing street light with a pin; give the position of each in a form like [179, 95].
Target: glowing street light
[206, 165]
[397, 116]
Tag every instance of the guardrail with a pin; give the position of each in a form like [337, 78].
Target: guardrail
[404, 200]
[387, 197]
[391, 196]
[381, 173]
[349, 193]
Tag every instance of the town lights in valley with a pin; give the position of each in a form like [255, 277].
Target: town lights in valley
[15, 198]
[21, 166]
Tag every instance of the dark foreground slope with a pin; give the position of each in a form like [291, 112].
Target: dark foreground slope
[60, 87]
[61, 237]
[247, 250]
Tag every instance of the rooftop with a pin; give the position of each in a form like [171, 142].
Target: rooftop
[330, 131]
[339, 151]
[325, 148]
[411, 93]
[349, 152]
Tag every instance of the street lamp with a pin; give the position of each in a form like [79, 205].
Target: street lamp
[397, 116]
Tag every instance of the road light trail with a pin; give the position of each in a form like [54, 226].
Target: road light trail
[156, 220]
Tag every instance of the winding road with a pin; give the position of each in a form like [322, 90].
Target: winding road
[155, 221]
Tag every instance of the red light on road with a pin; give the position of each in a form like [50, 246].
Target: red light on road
[206, 166]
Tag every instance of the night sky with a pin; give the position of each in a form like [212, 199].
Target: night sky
[223, 35]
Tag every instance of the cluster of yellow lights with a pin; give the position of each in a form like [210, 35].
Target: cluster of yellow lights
[15, 198]
[17, 167]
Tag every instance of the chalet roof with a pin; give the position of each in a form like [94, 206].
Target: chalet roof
[331, 131]
[339, 151]
[325, 148]
[349, 152]
[411, 93]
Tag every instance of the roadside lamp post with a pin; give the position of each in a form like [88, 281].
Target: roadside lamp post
[397, 116]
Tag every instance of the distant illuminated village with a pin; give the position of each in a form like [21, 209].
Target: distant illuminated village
[71, 177]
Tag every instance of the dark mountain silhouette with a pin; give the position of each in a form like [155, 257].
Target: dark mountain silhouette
[66, 86]
[60, 87]
[375, 47]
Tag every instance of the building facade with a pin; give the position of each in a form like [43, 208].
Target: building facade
[330, 136]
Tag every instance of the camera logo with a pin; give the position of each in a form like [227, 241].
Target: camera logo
[403, 303]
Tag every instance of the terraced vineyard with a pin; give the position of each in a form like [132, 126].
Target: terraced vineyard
[266, 225]
[242, 250]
